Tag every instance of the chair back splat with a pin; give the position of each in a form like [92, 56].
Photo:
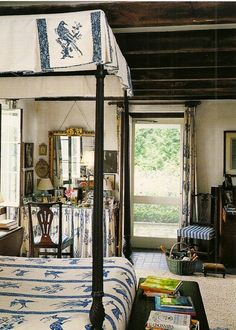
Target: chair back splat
[45, 230]
[203, 225]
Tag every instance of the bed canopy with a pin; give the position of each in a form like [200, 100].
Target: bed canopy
[71, 42]
[70, 54]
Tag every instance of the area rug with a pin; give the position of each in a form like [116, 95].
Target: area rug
[218, 295]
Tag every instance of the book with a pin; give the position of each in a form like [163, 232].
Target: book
[161, 284]
[153, 293]
[165, 320]
[8, 224]
[176, 301]
[173, 309]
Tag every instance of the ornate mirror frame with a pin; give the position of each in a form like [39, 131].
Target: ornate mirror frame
[71, 131]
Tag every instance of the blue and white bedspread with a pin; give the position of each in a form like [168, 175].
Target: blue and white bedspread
[37, 293]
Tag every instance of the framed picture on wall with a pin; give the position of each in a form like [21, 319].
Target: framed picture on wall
[42, 149]
[110, 161]
[230, 152]
[28, 155]
[29, 182]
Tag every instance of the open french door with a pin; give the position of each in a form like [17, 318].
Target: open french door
[155, 181]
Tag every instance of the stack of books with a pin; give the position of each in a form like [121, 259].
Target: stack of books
[171, 311]
[177, 304]
[8, 224]
[154, 285]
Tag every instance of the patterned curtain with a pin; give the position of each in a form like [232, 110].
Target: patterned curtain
[58, 179]
[189, 175]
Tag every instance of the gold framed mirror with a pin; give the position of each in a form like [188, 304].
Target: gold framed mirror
[71, 156]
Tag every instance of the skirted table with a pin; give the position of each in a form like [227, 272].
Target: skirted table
[79, 221]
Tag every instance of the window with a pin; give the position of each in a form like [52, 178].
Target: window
[10, 156]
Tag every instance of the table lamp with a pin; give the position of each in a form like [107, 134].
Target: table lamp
[45, 184]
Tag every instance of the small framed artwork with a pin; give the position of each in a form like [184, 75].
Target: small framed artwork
[42, 149]
[109, 181]
[29, 182]
[110, 161]
[29, 155]
[230, 152]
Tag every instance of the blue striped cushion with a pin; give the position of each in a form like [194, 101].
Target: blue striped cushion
[197, 232]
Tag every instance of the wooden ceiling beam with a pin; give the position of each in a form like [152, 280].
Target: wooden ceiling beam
[136, 13]
[184, 74]
[158, 85]
[183, 60]
[187, 92]
[177, 42]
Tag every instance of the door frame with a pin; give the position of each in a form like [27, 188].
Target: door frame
[163, 118]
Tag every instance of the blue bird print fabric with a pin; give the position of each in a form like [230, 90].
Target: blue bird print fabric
[37, 293]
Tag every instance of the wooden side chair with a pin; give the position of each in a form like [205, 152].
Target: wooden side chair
[203, 226]
[46, 232]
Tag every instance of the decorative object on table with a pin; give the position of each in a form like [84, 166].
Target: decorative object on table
[42, 168]
[28, 155]
[230, 152]
[110, 161]
[69, 193]
[45, 185]
[29, 182]
[181, 262]
[42, 149]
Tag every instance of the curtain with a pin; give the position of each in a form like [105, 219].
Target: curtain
[58, 178]
[189, 174]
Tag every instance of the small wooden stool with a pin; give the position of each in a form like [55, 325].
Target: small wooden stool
[213, 268]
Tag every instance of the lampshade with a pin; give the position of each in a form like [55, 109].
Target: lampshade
[1, 198]
[45, 184]
[107, 184]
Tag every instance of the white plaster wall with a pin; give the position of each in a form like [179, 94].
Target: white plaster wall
[40, 117]
[212, 119]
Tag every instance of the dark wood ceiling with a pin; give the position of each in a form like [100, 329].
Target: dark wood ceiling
[175, 50]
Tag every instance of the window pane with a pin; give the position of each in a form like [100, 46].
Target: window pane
[157, 160]
[10, 156]
[152, 220]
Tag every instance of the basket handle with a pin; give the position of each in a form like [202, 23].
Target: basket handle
[178, 243]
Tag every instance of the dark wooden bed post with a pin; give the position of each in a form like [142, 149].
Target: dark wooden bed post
[127, 249]
[97, 312]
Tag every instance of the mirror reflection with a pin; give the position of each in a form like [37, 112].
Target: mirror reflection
[71, 156]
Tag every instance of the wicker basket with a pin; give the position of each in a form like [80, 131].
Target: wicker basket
[180, 267]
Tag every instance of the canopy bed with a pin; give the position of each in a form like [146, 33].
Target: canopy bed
[63, 55]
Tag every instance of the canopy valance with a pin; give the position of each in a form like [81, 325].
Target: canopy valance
[59, 42]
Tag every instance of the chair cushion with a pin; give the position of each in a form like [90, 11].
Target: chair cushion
[197, 232]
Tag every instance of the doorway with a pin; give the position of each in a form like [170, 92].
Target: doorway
[155, 181]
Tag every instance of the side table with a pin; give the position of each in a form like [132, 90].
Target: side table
[11, 241]
[143, 305]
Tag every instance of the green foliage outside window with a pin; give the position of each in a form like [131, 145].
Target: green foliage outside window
[156, 213]
[149, 157]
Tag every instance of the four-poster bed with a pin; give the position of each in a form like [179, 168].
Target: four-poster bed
[59, 55]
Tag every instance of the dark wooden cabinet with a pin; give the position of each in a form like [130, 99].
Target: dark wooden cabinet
[227, 233]
[11, 241]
